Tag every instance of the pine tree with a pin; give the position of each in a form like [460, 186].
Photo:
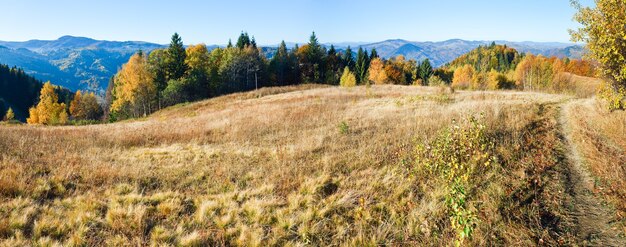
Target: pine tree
[243, 41]
[424, 71]
[374, 54]
[348, 60]
[175, 61]
[362, 63]
[253, 43]
[279, 65]
[230, 44]
[332, 62]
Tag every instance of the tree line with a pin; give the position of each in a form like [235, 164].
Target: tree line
[500, 67]
[164, 77]
[178, 73]
[19, 91]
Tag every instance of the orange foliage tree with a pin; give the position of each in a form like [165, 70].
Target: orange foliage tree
[48, 110]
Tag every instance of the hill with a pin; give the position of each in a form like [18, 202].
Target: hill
[317, 165]
[20, 91]
[486, 58]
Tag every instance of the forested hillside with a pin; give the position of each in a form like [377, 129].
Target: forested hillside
[20, 91]
[502, 67]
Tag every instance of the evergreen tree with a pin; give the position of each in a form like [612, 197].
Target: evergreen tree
[332, 70]
[425, 71]
[243, 40]
[374, 54]
[280, 66]
[348, 60]
[230, 44]
[175, 61]
[253, 43]
[362, 64]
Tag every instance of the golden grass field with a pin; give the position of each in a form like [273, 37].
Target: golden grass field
[321, 166]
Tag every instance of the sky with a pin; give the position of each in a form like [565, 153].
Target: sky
[214, 22]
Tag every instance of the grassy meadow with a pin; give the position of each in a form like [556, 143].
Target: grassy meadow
[321, 166]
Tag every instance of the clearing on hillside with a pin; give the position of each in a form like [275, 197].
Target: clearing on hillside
[314, 165]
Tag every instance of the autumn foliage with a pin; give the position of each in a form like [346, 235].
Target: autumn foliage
[48, 110]
[134, 88]
[85, 106]
[377, 71]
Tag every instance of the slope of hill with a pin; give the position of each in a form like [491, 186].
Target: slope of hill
[20, 91]
[306, 165]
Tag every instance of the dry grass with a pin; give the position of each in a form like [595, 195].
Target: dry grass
[581, 86]
[600, 137]
[273, 167]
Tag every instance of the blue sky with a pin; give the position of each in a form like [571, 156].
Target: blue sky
[214, 22]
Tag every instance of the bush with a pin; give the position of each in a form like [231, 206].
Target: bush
[436, 81]
[458, 157]
[615, 99]
[343, 127]
[175, 92]
[496, 80]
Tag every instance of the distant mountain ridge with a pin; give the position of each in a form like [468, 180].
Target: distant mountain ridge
[85, 63]
[72, 62]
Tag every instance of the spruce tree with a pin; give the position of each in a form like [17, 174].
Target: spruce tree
[253, 43]
[361, 65]
[374, 54]
[424, 71]
[348, 60]
[175, 60]
[279, 65]
[243, 40]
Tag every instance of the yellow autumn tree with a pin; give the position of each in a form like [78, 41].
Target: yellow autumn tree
[347, 78]
[10, 115]
[85, 106]
[48, 110]
[134, 89]
[197, 57]
[463, 77]
[603, 30]
[377, 71]
[534, 73]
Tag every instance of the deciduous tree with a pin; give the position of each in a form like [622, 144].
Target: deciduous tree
[48, 110]
[9, 115]
[377, 71]
[347, 78]
[85, 106]
[134, 87]
[463, 76]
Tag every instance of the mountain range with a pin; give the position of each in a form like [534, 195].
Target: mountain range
[85, 63]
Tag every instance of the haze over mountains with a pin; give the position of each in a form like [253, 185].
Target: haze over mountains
[84, 63]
